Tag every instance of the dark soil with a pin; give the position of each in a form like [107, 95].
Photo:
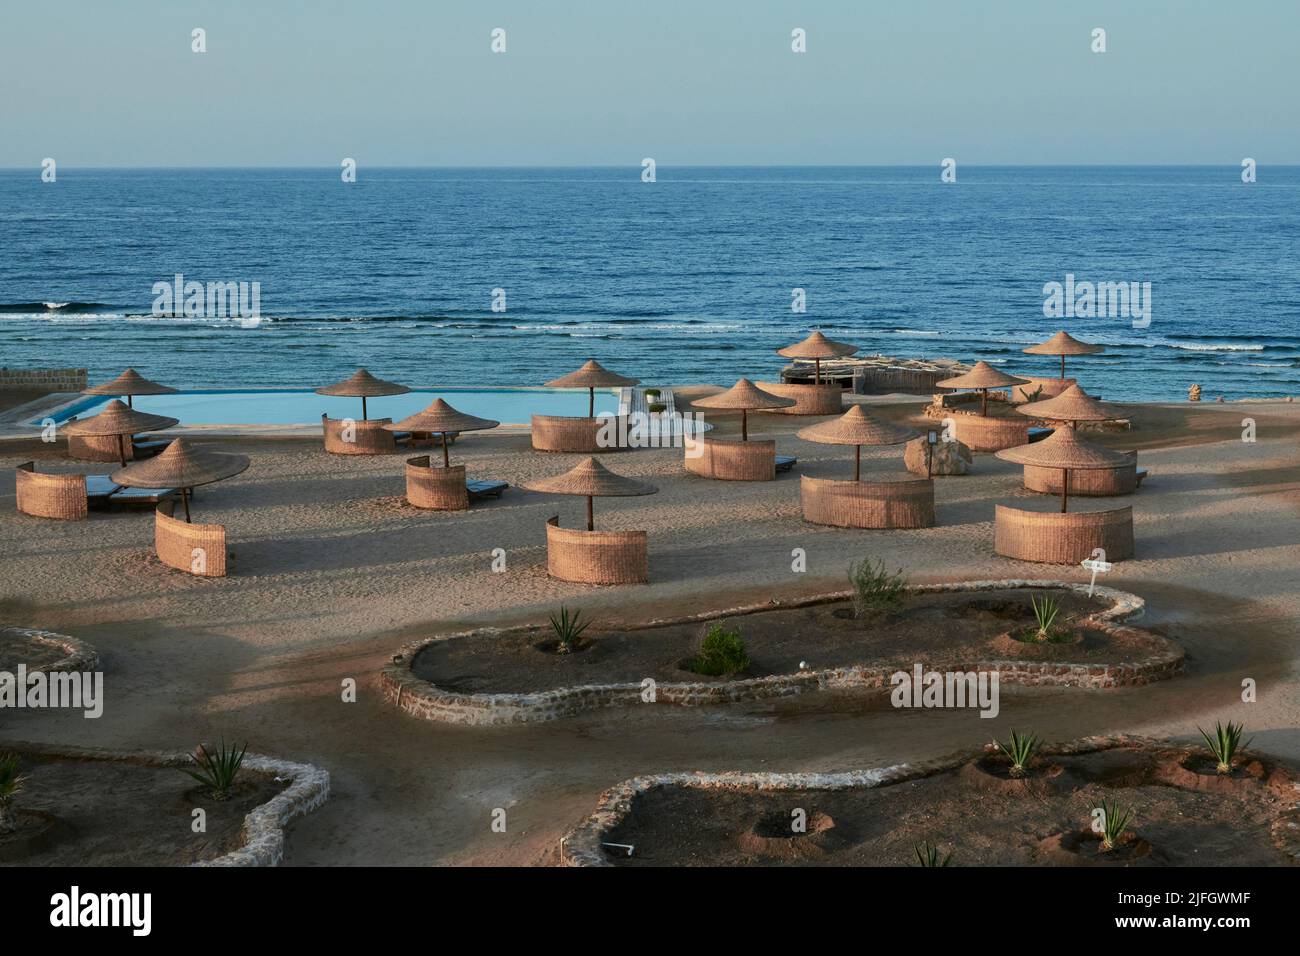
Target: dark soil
[928, 628]
[1043, 820]
[113, 813]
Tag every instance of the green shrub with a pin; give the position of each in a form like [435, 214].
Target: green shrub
[1045, 614]
[722, 652]
[657, 407]
[1020, 751]
[875, 591]
[217, 769]
[652, 393]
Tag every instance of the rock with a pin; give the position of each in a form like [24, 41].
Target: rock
[1194, 393]
[949, 457]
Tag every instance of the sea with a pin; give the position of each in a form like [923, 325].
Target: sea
[503, 276]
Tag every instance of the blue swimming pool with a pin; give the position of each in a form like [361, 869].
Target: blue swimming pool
[287, 407]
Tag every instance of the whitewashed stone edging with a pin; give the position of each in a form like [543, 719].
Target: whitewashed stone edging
[263, 832]
[426, 700]
[582, 845]
[78, 655]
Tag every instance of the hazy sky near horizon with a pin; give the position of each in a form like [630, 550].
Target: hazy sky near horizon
[586, 82]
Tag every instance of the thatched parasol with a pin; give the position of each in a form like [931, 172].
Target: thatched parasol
[120, 421]
[441, 418]
[744, 395]
[181, 466]
[857, 427]
[129, 383]
[361, 384]
[1063, 344]
[817, 347]
[590, 479]
[592, 376]
[1064, 449]
[983, 376]
[1073, 405]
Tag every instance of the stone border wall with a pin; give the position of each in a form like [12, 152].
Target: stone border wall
[263, 833]
[582, 845]
[426, 700]
[48, 379]
[78, 655]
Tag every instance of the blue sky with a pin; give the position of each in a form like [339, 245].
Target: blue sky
[585, 82]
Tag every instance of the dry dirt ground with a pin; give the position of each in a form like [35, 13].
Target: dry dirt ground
[332, 572]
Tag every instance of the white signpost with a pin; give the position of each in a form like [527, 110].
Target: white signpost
[1094, 564]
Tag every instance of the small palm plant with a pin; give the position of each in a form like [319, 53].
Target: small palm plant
[568, 628]
[927, 855]
[217, 769]
[1225, 744]
[1045, 613]
[1115, 820]
[11, 782]
[1020, 751]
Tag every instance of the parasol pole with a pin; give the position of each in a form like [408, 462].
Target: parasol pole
[1065, 488]
[817, 374]
[744, 424]
[185, 499]
[121, 449]
[984, 408]
[857, 462]
[591, 401]
[591, 522]
[363, 408]
[1062, 365]
[446, 455]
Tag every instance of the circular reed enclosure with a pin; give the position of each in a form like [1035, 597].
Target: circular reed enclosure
[97, 447]
[368, 436]
[1085, 482]
[198, 549]
[596, 557]
[436, 489]
[990, 434]
[899, 503]
[1051, 537]
[731, 460]
[809, 399]
[576, 435]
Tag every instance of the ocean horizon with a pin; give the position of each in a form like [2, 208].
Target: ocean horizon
[512, 275]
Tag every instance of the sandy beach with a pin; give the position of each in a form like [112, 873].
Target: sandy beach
[333, 571]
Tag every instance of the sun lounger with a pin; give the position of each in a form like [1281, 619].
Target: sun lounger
[98, 488]
[482, 489]
[148, 448]
[1038, 434]
[785, 462]
[140, 496]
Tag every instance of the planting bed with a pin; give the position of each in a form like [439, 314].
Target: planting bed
[97, 808]
[43, 651]
[1184, 813]
[514, 675]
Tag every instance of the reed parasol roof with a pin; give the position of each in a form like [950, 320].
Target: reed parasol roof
[181, 466]
[589, 478]
[1063, 343]
[441, 417]
[129, 382]
[1065, 450]
[1072, 405]
[361, 384]
[817, 346]
[982, 375]
[118, 419]
[857, 426]
[592, 375]
[743, 396]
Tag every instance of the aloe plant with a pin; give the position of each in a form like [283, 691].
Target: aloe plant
[1020, 751]
[11, 782]
[217, 769]
[568, 628]
[1225, 744]
[927, 855]
[1115, 820]
[1045, 613]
